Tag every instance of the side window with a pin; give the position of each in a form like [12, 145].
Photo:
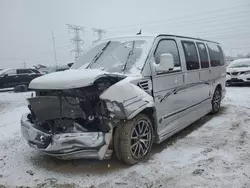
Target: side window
[11, 72]
[222, 57]
[203, 55]
[216, 55]
[23, 71]
[192, 60]
[168, 46]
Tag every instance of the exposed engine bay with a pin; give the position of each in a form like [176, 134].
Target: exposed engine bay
[79, 122]
[72, 110]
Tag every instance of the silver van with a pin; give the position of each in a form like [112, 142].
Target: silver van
[123, 95]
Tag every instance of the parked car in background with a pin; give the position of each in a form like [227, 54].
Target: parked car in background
[16, 77]
[123, 95]
[238, 71]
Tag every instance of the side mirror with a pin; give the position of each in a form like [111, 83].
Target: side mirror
[5, 76]
[166, 63]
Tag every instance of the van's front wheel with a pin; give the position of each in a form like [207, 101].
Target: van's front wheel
[136, 139]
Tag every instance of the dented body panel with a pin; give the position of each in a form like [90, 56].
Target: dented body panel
[66, 145]
[125, 99]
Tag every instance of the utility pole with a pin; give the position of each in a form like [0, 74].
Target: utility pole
[54, 46]
[100, 33]
[76, 40]
[24, 64]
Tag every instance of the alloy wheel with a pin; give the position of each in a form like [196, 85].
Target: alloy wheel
[141, 139]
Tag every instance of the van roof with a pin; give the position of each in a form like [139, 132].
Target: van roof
[159, 35]
[193, 38]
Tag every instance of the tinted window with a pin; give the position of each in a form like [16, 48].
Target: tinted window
[168, 46]
[216, 55]
[222, 57]
[203, 55]
[23, 71]
[192, 60]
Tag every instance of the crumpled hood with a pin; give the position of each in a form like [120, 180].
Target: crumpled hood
[73, 78]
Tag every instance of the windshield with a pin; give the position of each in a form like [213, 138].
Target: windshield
[240, 64]
[115, 56]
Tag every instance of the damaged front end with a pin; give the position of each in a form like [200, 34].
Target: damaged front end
[70, 124]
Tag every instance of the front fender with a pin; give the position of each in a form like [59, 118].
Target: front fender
[125, 100]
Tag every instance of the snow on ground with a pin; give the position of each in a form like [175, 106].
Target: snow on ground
[213, 152]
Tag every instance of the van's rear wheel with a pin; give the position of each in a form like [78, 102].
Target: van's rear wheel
[216, 101]
[135, 139]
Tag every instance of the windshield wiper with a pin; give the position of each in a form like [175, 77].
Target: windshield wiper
[98, 55]
[129, 54]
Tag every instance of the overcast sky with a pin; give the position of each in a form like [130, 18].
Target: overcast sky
[26, 25]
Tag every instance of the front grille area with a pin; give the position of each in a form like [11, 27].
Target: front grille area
[234, 73]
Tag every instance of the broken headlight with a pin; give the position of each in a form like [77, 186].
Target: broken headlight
[110, 106]
[115, 108]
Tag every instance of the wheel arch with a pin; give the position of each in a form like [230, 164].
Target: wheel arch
[151, 113]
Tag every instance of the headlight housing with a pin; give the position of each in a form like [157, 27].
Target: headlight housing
[115, 108]
[247, 72]
[110, 106]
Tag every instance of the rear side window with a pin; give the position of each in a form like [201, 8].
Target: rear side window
[192, 60]
[23, 71]
[168, 46]
[203, 55]
[216, 55]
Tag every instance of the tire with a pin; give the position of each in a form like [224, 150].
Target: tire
[117, 142]
[136, 139]
[20, 88]
[216, 101]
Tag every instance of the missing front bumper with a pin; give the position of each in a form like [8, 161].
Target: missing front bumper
[67, 145]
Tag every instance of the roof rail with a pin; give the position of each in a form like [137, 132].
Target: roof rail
[166, 35]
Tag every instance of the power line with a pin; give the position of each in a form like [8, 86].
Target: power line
[231, 28]
[192, 22]
[213, 33]
[176, 18]
[76, 40]
[230, 36]
[216, 22]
